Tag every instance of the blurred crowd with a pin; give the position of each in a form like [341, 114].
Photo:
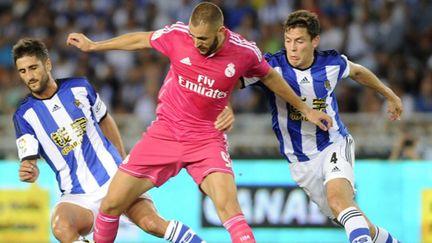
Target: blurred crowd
[391, 37]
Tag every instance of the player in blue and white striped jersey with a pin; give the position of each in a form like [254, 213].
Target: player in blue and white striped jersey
[322, 162]
[65, 122]
[64, 129]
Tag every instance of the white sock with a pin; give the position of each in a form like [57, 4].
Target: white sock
[383, 236]
[355, 224]
[171, 231]
[178, 232]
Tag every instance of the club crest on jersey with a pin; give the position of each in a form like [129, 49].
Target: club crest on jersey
[78, 104]
[327, 85]
[230, 70]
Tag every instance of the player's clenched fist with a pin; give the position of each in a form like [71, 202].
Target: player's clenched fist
[80, 41]
[28, 171]
[394, 108]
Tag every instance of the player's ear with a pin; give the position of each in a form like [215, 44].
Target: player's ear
[221, 29]
[48, 65]
[316, 41]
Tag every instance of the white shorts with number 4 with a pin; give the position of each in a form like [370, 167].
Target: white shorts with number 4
[335, 161]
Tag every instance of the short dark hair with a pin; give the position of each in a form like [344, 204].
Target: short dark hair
[303, 19]
[30, 47]
[207, 13]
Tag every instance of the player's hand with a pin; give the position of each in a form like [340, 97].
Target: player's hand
[394, 108]
[80, 41]
[28, 171]
[319, 118]
[225, 120]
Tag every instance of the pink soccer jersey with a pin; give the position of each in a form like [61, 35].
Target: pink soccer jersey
[197, 88]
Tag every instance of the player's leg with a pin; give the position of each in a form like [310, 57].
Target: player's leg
[378, 234]
[161, 152]
[124, 189]
[70, 221]
[338, 169]
[340, 193]
[211, 167]
[340, 196]
[221, 189]
[143, 213]
[381, 235]
[151, 162]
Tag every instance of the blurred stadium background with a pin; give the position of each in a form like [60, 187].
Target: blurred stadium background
[394, 171]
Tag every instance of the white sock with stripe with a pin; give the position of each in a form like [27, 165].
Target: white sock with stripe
[177, 232]
[383, 236]
[355, 225]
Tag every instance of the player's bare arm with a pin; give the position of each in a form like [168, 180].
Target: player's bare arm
[128, 42]
[275, 83]
[365, 77]
[225, 120]
[111, 131]
[28, 171]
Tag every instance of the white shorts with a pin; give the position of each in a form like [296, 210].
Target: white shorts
[335, 161]
[92, 201]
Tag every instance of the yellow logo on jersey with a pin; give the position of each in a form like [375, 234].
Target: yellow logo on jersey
[317, 104]
[63, 139]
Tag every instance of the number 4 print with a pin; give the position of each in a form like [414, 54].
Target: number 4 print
[333, 158]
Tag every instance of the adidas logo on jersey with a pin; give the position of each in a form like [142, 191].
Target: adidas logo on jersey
[335, 169]
[186, 61]
[55, 108]
[304, 81]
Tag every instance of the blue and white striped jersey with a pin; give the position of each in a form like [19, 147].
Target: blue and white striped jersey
[64, 130]
[300, 140]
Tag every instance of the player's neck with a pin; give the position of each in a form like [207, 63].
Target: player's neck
[309, 62]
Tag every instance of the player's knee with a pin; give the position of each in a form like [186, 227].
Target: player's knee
[111, 206]
[220, 203]
[226, 205]
[64, 231]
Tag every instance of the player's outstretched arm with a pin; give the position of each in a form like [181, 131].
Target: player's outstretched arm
[365, 77]
[28, 171]
[128, 42]
[274, 81]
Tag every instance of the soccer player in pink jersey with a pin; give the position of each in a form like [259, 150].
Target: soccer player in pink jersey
[207, 60]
